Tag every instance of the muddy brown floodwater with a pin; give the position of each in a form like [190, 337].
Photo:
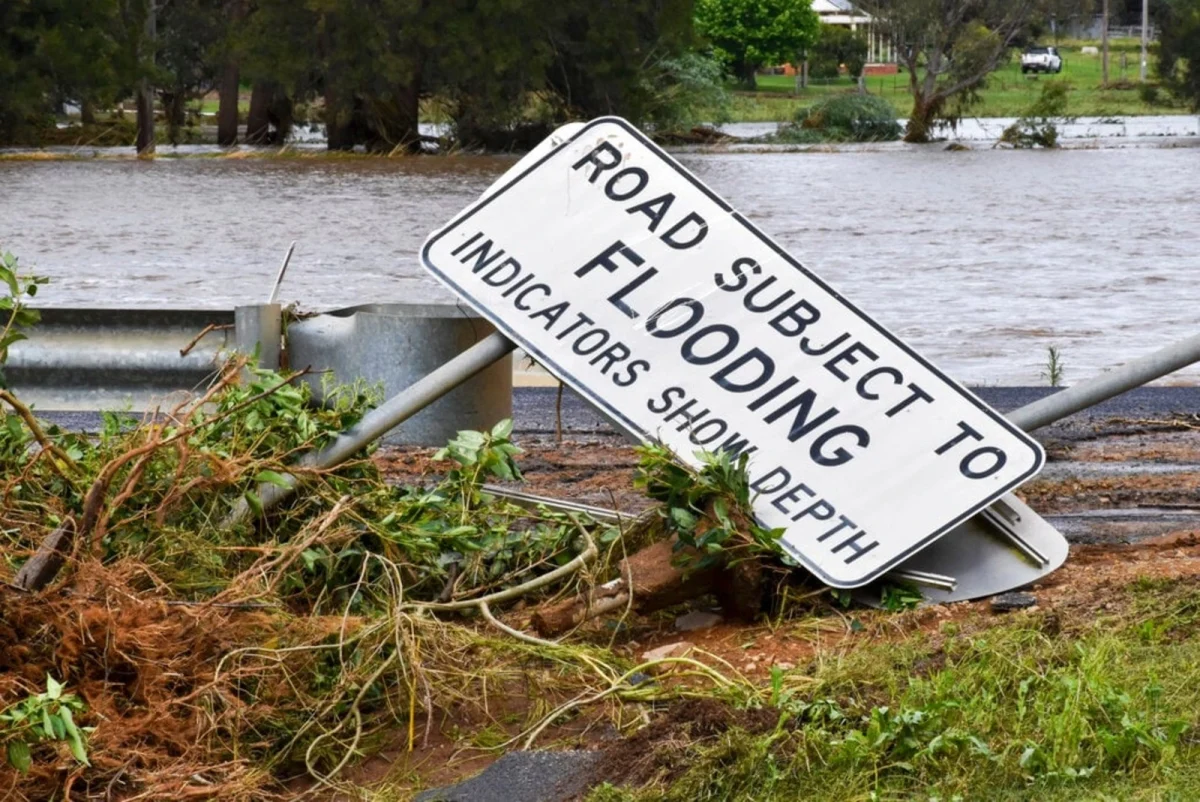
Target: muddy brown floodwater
[980, 259]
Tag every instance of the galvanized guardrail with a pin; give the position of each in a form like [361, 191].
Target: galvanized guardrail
[139, 359]
[92, 359]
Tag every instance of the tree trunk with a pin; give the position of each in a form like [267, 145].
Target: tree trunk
[40, 569]
[408, 117]
[175, 112]
[650, 580]
[748, 76]
[145, 119]
[258, 119]
[87, 112]
[921, 121]
[281, 114]
[227, 111]
[145, 93]
[339, 121]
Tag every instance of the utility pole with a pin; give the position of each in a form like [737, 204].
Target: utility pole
[1104, 47]
[1145, 35]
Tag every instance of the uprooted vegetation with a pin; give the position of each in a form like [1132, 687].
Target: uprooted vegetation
[842, 118]
[1039, 126]
[175, 656]
[205, 656]
[239, 655]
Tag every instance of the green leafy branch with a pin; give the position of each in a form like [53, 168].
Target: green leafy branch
[708, 510]
[47, 716]
[13, 306]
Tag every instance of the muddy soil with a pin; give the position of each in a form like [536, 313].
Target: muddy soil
[1106, 467]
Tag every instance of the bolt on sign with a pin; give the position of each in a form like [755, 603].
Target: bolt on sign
[632, 281]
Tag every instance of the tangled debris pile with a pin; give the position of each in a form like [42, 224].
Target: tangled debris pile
[216, 662]
[208, 661]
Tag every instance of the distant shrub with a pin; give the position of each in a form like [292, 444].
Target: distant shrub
[792, 134]
[1148, 92]
[1038, 126]
[846, 118]
[677, 93]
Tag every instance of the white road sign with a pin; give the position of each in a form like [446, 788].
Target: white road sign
[635, 283]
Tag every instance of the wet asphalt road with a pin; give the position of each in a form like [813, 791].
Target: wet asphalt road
[533, 409]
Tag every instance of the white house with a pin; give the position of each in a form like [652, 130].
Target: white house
[843, 12]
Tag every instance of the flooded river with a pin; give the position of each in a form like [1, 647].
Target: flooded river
[980, 259]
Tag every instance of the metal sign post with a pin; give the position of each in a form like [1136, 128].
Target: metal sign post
[632, 281]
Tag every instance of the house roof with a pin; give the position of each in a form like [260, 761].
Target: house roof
[839, 12]
[833, 6]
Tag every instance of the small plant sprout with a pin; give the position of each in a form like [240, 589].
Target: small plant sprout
[896, 598]
[1055, 367]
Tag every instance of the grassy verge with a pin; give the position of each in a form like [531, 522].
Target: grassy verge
[1008, 92]
[1061, 704]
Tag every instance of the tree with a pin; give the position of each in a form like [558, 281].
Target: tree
[24, 80]
[190, 35]
[505, 71]
[747, 34]
[838, 45]
[1054, 16]
[81, 43]
[54, 52]
[602, 52]
[948, 47]
[1179, 49]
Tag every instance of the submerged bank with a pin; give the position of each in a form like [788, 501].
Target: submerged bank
[1162, 130]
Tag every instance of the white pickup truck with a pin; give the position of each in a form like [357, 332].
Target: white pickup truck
[1041, 59]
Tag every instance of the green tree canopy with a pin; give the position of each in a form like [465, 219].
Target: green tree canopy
[747, 34]
[53, 53]
[504, 71]
[838, 45]
[1179, 49]
[948, 49]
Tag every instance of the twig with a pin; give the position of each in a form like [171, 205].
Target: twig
[288, 556]
[99, 489]
[30, 421]
[224, 605]
[279, 277]
[516, 633]
[451, 580]
[583, 558]
[558, 423]
[356, 713]
[210, 328]
[115, 779]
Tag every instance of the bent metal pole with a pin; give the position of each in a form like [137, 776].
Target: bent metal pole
[441, 381]
[380, 421]
[1111, 383]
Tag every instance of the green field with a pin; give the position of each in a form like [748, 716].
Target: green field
[1008, 93]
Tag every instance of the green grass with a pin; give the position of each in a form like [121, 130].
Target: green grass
[1008, 92]
[1038, 706]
